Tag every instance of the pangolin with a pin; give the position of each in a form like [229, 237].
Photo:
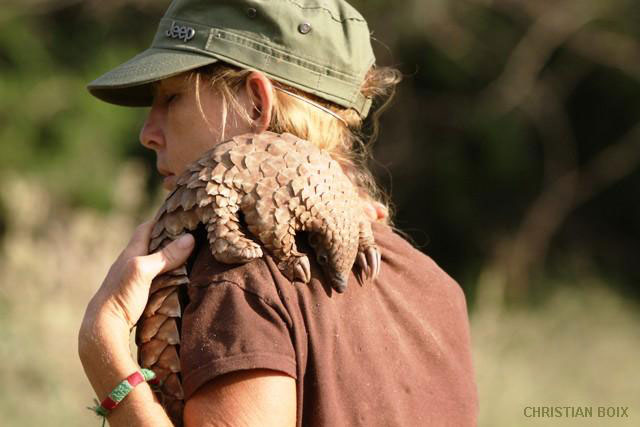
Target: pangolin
[276, 184]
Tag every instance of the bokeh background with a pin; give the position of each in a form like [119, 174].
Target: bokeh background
[511, 152]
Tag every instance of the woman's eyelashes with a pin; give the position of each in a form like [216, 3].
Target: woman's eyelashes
[169, 98]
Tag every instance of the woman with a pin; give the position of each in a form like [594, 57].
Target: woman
[257, 349]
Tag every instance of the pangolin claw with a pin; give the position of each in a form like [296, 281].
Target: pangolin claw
[377, 261]
[302, 269]
[362, 263]
[369, 261]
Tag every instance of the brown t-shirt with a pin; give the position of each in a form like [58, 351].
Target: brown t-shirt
[395, 352]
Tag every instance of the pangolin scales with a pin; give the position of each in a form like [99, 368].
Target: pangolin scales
[280, 184]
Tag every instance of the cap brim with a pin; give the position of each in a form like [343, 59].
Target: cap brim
[130, 83]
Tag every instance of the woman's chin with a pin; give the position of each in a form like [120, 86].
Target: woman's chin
[169, 182]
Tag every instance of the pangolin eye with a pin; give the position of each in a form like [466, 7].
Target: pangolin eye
[322, 259]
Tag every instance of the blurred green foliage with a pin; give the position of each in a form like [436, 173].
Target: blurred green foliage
[501, 100]
[49, 126]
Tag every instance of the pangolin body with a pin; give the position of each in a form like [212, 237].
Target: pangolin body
[280, 184]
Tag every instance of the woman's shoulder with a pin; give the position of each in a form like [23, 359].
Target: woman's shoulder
[402, 263]
[409, 264]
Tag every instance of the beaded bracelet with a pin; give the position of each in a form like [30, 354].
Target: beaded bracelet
[121, 391]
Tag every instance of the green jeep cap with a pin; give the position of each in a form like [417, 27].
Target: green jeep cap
[319, 46]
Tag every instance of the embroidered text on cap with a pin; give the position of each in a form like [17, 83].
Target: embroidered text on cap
[180, 32]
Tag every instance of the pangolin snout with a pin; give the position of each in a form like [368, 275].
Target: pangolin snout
[339, 283]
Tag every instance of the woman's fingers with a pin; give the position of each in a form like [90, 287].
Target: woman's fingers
[125, 291]
[370, 211]
[382, 213]
[376, 211]
[139, 242]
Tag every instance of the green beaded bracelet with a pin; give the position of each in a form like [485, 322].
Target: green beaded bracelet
[121, 391]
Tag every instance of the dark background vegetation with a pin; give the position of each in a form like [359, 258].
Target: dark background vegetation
[511, 153]
[512, 142]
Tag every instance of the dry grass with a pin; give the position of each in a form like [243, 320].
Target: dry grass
[51, 263]
[580, 348]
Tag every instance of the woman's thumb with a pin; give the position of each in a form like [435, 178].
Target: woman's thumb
[171, 256]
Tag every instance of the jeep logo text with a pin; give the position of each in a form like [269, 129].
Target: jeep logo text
[180, 32]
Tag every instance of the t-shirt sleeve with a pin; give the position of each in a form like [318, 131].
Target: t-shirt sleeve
[234, 321]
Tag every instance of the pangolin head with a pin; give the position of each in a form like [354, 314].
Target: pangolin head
[335, 265]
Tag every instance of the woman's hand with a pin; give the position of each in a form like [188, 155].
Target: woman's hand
[103, 341]
[376, 211]
[119, 302]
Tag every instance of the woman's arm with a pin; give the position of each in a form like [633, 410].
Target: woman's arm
[251, 398]
[246, 398]
[106, 360]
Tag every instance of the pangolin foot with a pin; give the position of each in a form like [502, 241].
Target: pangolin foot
[297, 268]
[240, 254]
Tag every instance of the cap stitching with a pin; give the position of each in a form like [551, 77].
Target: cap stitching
[329, 11]
[353, 83]
[353, 78]
[355, 100]
[226, 58]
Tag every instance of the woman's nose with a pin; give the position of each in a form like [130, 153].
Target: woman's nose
[151, 135]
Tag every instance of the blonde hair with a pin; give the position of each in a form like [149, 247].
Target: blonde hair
[345, 139]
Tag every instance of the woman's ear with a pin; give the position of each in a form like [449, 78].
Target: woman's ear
[260, 91]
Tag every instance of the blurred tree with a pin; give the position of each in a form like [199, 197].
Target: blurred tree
[519, 116]
[512, 147]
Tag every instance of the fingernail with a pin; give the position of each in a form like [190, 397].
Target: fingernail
[185, 241]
